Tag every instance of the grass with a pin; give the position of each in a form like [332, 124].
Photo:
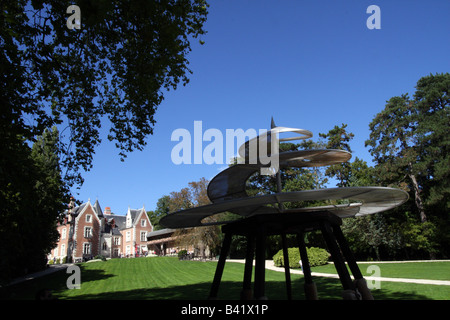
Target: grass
[435, 270]
[167, 278]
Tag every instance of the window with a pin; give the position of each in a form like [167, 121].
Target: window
[143, 223]
[63, 234]
[104, 246]
[143, 235]
[128, 236]
[88, 218]
[87, 232]
[116, 241]
[86, 248]
[128, 250]
[63, 249]
[55, 252]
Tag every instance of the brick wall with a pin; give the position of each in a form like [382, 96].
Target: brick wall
[87, 219]
[141, 227]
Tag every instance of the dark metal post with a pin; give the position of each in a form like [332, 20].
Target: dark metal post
[246, 293]
[260, 264]
[347, 253]
[338, 260]
[287, 273]
[310, 287]
[360, 282]
[220, 266]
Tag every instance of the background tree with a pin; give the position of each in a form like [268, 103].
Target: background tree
[162, 209]
[31, 197]
[392, 141]
[199, 237]
[433, 118]
[113, 70]
[339, 138]
[410, 144]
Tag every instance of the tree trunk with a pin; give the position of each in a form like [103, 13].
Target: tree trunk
[417, 197]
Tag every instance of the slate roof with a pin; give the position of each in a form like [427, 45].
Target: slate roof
[160, 232]
[97, 208]
[134, 214]
[119, 220]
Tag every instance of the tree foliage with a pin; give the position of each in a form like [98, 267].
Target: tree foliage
[112, 71]
[162, 209]
[31, 197]
[339, 138]
[409, 142]
[199, 237]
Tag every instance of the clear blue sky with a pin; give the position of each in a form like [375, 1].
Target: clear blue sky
[310, 64]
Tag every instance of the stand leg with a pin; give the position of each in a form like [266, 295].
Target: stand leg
[246, 293]
[360, 282]
[220, 266]
[339, 263]
[287, 272]
[260, 264]
[310, 286]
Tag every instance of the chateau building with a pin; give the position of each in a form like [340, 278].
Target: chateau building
[86, 231]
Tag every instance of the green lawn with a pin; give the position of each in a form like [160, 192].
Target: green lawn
[168, 278]
[438, 270]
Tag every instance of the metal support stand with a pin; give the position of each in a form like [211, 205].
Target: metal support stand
[220, 266]
[246, 293]
[287, 273]
[310, 286]
[257, 228]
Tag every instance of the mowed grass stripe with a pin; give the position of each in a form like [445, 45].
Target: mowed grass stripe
[160, 278]
[435, 270]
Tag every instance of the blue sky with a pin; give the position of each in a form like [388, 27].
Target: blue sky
[309, 64]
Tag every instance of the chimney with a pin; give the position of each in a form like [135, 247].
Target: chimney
[107, 210]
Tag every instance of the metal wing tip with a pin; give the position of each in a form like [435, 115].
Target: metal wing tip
[272, 123]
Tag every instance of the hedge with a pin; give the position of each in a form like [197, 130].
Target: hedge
[316, 256]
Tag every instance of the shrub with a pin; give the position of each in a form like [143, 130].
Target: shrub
[316, 256]
[101, 257]
[182, 254]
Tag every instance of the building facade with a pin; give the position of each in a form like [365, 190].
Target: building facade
[86, 232]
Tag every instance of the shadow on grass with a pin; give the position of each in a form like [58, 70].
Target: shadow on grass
[329, 289]
[56, 282]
